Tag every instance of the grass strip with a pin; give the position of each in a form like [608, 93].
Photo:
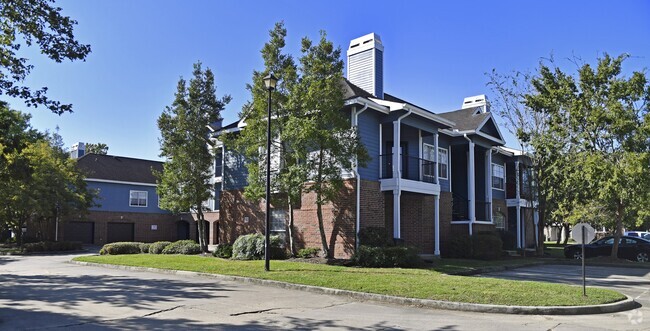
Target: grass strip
[410, 283]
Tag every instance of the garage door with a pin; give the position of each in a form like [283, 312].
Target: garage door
[119, 232]
[79, 231]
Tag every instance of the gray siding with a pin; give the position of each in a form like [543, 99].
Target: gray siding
[235, 172]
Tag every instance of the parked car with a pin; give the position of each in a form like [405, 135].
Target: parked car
[631, 248]
[640, 234]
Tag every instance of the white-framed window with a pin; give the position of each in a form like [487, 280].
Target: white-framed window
[138, 198]
[429, 156]
[278, 220]
[443, 163]
[499, 221]
[498, 176]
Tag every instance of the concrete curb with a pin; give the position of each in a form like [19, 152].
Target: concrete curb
[623, 305]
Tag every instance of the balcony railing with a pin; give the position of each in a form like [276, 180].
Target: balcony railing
[459, 208]
[525, 192]
[483, 210]
[413, 168]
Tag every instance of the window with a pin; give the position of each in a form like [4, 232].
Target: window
[428, 154]
[499, 221]
[278, 220]
[138, 198]
[498, 176]
[443, 161]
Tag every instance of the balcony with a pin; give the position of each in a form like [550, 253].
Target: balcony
[413, 168]
[418, 175]
[460, 209]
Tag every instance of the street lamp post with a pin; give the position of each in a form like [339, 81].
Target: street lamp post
[270, 82]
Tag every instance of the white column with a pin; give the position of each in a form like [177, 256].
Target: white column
[488, 182]
[471, 183]
[420, 156]
[396, 214]
[437, 167]
[436, 201]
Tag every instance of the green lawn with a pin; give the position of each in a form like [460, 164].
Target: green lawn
[412, 283]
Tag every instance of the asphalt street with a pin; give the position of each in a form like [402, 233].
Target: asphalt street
[46, 292]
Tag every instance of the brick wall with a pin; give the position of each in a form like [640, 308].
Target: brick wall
[372, 205]
[165, 224]
[417, 219]
[445, 220]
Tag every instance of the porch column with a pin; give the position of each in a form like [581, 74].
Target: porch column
[436, 203]
[517, 196]
[471, 182]
[437, 167]
[397, 174]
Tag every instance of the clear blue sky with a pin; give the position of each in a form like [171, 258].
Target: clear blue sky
[436, 52]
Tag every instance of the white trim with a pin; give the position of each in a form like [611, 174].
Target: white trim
[146, 198]
[118, 182]
[435, 142]
[395, 106]
[420, 150]
[455, 133]
[368, 102]
[436, 224]
[390, 184]
[480, 126]
[381, 151]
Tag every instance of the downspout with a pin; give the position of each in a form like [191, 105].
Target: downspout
[355, 171]
[471, 205]
[398, 171]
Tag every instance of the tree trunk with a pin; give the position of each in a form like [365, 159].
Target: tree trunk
[201, 228]
[292, 250]
[618, 229]
[567, 229]
[321, 227]
[540, 229]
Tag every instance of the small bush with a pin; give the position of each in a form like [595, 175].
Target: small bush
[52, 246]
[509, 240]
[144, 248]
[375, 237]
[307, 253]
[386, 257]
[460, 247]
[486, 246]
[118, 248]
[187, 247]
[223, 251]
[251, 247]
[158, 246]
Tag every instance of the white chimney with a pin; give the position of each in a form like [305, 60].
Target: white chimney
[366, 64]
[78, 150]
[477, 101]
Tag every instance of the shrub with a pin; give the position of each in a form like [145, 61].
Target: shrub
[307, 253]
[117, 248]
[460, 247]
[375, 237]
[52, 246]
[386, 257]
[144, 248]
[486, 246]
[509, 239]
[223, 251]
[158, 246]
[187, 247]
[251, 247]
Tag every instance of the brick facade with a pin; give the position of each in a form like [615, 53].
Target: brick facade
[147, 227]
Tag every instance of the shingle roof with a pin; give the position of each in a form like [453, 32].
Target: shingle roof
[465, 119]
[118, 168]
[351, 91]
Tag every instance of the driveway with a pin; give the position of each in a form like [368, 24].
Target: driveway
[45, 292]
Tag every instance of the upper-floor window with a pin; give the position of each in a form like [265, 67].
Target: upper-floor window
[498, 176]
[138, 198]
[429, 156]
[443, 163]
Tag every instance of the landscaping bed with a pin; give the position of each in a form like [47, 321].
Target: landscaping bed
[423, 283]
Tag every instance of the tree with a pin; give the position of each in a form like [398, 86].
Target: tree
[28, 22]
[607, 121]
[184, 183]
[320, 134]
[98, 148]
[40, 181]
[287, 179]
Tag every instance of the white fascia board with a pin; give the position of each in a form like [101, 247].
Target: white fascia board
[394, 106]
[455, 133]
[503, 151]
[119, 182]
[370, 103]
[489, 137]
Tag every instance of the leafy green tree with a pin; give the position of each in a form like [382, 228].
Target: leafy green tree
[605, 116]
[28, 22]
[184, 183]
[286, 179]
[98, 148]
[40, 182]
[320, 134]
